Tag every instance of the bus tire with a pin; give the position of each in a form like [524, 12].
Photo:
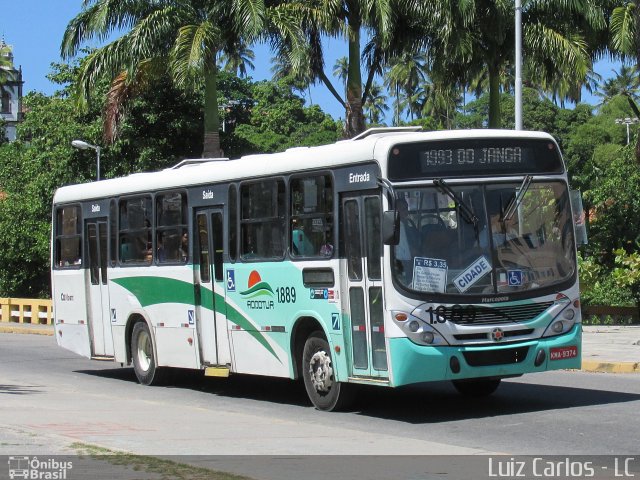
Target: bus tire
[317, 371]
[144, 360]
[477, 387]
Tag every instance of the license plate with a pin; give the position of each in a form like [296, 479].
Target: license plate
[562, 353]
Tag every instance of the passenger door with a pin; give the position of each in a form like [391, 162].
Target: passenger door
[210, 287]
[362, 282]
[99, 315]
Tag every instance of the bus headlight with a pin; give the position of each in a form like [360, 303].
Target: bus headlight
[562, 323]
[428, 337]
[416, 330]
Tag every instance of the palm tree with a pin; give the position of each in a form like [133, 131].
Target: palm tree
[625, 83]
[407, 71]
[560, 39]
[625, 40]
[382, 19]
[440, 101]
[624, 30]
[238, 60]
[376, 104]
[299, 79]
[185, 36]
[341, 70]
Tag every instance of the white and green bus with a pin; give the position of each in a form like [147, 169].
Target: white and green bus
[394, 258]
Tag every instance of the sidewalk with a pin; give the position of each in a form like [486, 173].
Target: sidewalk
[611, 349]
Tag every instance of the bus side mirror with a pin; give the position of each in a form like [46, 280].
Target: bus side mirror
[390, 227]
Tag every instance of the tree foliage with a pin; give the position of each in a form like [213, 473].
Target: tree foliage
[160, 129]
[163, 125]
[279, 120]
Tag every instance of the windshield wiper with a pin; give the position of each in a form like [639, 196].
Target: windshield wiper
[465, 210]
[516, 200]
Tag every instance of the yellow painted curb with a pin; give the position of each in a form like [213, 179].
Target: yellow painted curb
[32, 331]
[610, 367]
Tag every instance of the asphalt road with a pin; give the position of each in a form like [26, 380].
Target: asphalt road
[51, 398]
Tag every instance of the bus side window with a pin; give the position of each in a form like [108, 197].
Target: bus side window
[68, 237]
[172, 245]
[311, 217]
[135, 230]
[262, 208]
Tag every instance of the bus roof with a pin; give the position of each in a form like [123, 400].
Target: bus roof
[374, 146]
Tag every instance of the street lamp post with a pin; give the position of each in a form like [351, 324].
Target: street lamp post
[82, 145]
[627, 121]
[518, 92]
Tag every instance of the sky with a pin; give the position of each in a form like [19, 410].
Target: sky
[35, 27]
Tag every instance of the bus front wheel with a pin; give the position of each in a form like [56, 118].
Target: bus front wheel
[477, 387]
[319, 379]
[144, 361]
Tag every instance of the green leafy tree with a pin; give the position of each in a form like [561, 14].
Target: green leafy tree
[384, 22]
[559, 40]
[183, 37]
[278, 120]
[614, 204]
[158, 131]
[29, 174]
[599, 287]
[627, 272]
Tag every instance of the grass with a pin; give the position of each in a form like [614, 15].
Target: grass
[165, 469]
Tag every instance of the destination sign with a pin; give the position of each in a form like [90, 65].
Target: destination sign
[462, 157]
[470, 156]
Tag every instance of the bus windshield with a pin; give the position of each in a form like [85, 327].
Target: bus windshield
[484, 239]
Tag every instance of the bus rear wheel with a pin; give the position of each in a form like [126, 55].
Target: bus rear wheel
[319, 379]
[477, 387]
[144, 361]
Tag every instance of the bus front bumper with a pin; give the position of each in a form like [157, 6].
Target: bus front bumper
[414, 363]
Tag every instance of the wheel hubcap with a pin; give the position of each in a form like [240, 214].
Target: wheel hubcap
[320, 371]
[144, 351]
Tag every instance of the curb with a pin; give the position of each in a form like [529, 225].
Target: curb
[20, 329]
[610, 367]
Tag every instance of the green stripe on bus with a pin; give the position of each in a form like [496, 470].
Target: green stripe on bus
[158, 290]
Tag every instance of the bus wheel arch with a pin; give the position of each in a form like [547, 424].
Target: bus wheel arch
[303, 327]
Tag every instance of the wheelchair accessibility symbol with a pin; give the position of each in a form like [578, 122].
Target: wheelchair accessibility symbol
[515, 278]
[231, 281]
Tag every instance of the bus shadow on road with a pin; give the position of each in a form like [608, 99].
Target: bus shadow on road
[423, 403]
[249, 387]
[439, 402]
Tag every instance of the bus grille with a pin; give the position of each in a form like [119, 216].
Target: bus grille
[485, 335]
[496, 357]
[490, 316]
